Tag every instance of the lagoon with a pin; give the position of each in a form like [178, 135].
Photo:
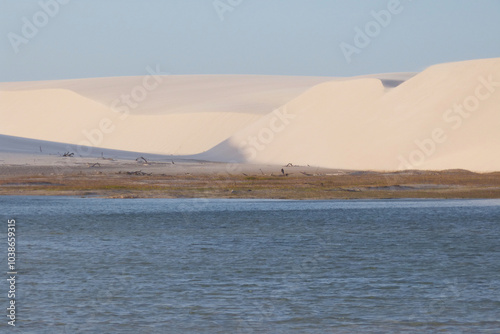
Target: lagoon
[88, 265]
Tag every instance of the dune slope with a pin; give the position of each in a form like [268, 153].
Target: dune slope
[180, 115]
[445, 117]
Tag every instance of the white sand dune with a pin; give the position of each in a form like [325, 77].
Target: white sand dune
[445, 117]
[181, 115]
[174, 94]
[359, 125]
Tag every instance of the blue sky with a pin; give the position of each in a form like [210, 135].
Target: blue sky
[96, 38]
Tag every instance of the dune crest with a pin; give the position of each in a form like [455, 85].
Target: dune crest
[445, 117]
[183, 115]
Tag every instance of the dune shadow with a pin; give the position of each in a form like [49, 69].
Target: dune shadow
[391, 83]
[222, 152]
[21, 145]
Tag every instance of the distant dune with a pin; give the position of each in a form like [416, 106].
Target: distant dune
[164, 115]
[445, 117]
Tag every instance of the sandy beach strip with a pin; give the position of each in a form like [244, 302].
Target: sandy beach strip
[110, 178]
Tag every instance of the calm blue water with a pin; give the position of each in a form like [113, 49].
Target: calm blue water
[254, 266]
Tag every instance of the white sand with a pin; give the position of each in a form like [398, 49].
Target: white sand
[359, 125]
[181, 115]
[349, 123]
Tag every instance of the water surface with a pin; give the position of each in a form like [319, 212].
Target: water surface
[255, 266]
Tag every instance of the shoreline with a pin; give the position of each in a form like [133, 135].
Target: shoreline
[197, 179]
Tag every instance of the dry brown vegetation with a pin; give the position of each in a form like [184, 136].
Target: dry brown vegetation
[413, 184]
